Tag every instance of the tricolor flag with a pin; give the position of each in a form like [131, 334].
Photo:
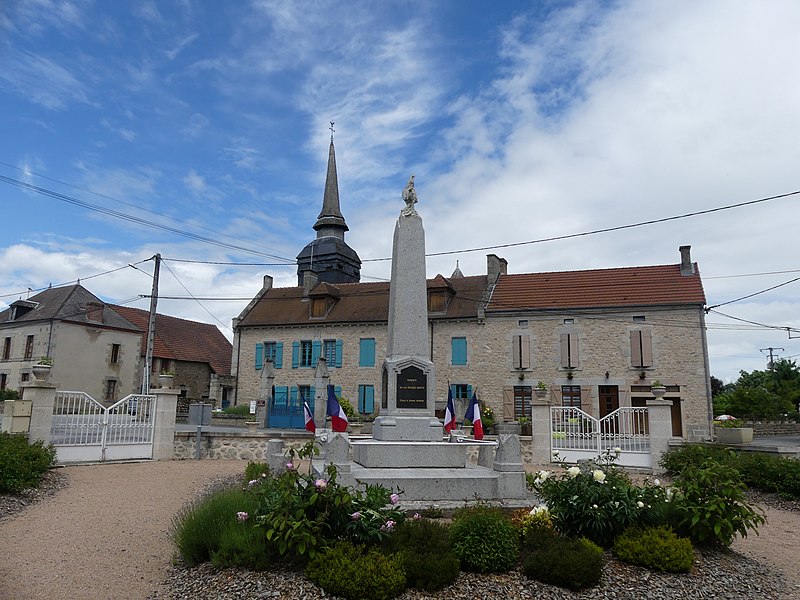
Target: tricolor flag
[474, 415]
[449, 412]
[335, 412]
[310, 425]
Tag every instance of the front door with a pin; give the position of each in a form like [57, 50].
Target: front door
[609, 402]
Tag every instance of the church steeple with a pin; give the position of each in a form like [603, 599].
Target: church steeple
[330, 220]
[329, 256]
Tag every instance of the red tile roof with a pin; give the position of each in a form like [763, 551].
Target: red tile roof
[180, 339]
[600, 288]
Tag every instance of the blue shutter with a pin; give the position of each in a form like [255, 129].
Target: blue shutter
[315, 349]
[369, 400]
[293, 395]
[459, 348]
[339, 353]
[279, 355]
[312, 392]
[259, 355]
[337, 390]
[469, 392]
[366, 353]
[281, 391]
[295, 354]
[453, 390]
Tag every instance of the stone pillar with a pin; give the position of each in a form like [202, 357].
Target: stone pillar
[660, 419]
[276, 459]
[164, 426]
[42, 397]
[16, 416]
[322, 379]
[540, 422]
[265, 393]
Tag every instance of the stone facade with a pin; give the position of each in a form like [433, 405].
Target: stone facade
[604, 342]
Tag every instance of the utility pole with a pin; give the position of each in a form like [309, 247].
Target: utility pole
[771, 363]
[151, 328]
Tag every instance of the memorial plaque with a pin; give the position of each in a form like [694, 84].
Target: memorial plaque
[412, 388]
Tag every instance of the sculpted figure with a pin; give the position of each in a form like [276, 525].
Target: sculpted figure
[410, 198]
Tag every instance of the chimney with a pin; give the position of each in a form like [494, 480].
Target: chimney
[267, 283]
[495, 266]
[687, 266]
[309, 282]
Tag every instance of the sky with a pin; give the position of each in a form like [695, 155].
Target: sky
[200, 130]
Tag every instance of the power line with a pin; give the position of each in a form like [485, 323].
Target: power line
[769, 289]
[751, 274]
[605, 230]
[195, 299]
[134, 219]
[131, 204]
[779, 327]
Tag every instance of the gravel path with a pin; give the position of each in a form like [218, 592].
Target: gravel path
[104, 535]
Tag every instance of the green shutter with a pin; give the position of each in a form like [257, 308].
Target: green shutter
[259, 355]
[295, 354]
[469, 392]
[279, 355]
[459, 350]
[369, 400]
[313, 393]
[337, 390]
[366, 353]
[338, 353]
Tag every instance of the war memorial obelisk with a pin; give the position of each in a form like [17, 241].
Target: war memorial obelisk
[408, 383]
[407, 450]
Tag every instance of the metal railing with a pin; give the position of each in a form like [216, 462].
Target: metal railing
[574, 430]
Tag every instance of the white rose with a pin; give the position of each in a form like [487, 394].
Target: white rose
[657, 482]
[640, 504]
[599, 476]
[573, 472]
[543, 475]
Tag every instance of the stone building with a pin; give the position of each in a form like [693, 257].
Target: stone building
[596, 339]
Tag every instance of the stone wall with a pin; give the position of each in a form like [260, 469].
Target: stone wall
[767, 429]
[603, 340]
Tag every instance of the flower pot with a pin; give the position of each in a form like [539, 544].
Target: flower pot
[659, 391]
[734, 435]
[252, 426]
[41, 372]
[165, 381]
[540, 392]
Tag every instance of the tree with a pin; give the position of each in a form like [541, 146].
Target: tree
[761, 394]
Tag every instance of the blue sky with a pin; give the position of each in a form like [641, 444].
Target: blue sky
[521, 121]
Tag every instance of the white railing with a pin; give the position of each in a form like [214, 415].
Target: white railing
[576, 434]
[77, 420]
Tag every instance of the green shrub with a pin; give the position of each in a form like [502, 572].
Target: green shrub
[355, 572]
[770, 473]
[9, 394]
[198, 528]
[424, 547]
[255, 471]
[570, 563]
[598, 504]
[484, 540]
[243, 410]
[242, 545]
[675, 460]
[656, 548]
[534, 525]
[710, 506]
[22, 465]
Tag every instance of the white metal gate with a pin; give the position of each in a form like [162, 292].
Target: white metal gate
[85, 430]
[577, 435]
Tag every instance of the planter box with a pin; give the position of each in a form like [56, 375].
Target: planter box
[734, 435]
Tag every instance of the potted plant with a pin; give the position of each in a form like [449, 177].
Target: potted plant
[733, 431]
[354, 418]
[541, 389]
[41, 370]
[524, 425]
[487, 418]
[165, 378]
[658, 388]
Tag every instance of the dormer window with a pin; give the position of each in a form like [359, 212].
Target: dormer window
[319, 307]
[323, 298]
[440, 292]
[437, 301]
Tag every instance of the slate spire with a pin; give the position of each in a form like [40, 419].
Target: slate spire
[330, 221]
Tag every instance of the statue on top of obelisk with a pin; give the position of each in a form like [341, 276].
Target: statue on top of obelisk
[410, 197]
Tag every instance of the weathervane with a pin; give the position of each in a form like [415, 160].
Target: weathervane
[332, 130]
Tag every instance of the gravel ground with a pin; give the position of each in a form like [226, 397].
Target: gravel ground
[101, 532]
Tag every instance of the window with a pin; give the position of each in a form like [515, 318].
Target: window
[3, 381]
[569, 321]
[366, 399]
[437, 302]
[522, 323]
[571, 395]
[638, 319]
[306, 353]
[459, 351]
[522, 401]
[114, 354]
[319, 306]
[29, 348]
[521, 352]
[366, 352]
[329, 351]
[641, 348]
[304, 392]
[461, 391]
[25, 377]
[272, 351]
[569, 350]
[111, 390]
[7, 348]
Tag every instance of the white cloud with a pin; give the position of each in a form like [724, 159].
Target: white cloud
[42, 80]
[195, 182]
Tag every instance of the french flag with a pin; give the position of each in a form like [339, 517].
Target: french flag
[474, 415]
[310, 425]
[335, 412]
[449, 412]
